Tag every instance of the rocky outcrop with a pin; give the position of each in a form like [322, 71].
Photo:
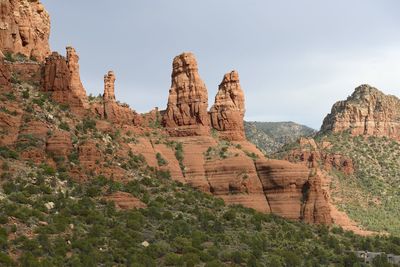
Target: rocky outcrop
[24, 28]
[285, 186]
[112, 110]
[368, 112]
[228, 111]
[186, 113]
[125, 201]
[59, 144]
[61, 79]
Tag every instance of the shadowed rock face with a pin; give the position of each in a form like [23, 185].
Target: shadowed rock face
[24, 28]
[228, 111]
[61, 78]
[368, 112]
[186, 113]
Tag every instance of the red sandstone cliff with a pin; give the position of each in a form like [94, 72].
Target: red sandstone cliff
[367, 111]
[61, 78]
[24, 28]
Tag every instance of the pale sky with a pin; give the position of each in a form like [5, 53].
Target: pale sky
[295, 58]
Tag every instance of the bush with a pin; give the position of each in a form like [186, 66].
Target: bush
[160, 160]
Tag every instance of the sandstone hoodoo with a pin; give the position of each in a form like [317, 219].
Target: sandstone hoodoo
[24, 28]
[112, 110]
[228, 111]
[62, 79]
[186, 113]
[368, 112]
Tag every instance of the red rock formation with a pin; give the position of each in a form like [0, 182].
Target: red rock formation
[5, 76]
[89, 155]
[367, 111]
[236, 181]
[186, 113]
[228, 111]
[24, 28]
[59, 144]
[29, 72]
[61, 79]
[75, 79]
[316, 208]
[111, 109]
[291, 194]
[125, 201]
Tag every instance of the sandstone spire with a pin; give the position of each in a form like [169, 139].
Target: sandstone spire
[186, 112]
[24, 28]
[75, 77]
[367, 111]
[228, 111]
[113, 110]
[109, 80]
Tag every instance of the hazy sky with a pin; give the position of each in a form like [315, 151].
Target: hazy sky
[295, 57]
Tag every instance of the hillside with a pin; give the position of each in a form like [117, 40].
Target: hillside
[358, 152]
[271, 136]
[49, 219]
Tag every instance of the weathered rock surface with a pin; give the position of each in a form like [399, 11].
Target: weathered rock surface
[186, 113]
[283, 184]
[125, 201]
[227, 113]
[368, 112]
[59, 144]
[5, 75]
[111, 109]
[61, 79]
[24, 28]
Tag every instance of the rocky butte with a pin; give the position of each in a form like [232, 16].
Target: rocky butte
[224, 164]
[368, 112]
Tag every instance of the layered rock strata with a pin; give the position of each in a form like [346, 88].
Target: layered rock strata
[186, 113]
[368, 112]
[24, 28]
[228, 111]
[61, 78]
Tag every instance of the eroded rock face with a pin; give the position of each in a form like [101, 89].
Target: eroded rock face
[61, 79]
[5, 75]
[24, 28]
[125, 201]
[283, 184]
[228, 111]
[186, 113]
[368, 112]
[112, 110]
[59, 144]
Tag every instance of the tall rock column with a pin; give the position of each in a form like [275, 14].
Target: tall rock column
[24, 28]
[186, 113]
[228, 111]
[75, 77]
[113, 110]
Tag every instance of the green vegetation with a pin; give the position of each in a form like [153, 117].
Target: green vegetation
[182, 226]
[370, 196]
[160, 160]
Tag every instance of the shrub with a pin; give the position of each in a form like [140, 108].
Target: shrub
[160, 160]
